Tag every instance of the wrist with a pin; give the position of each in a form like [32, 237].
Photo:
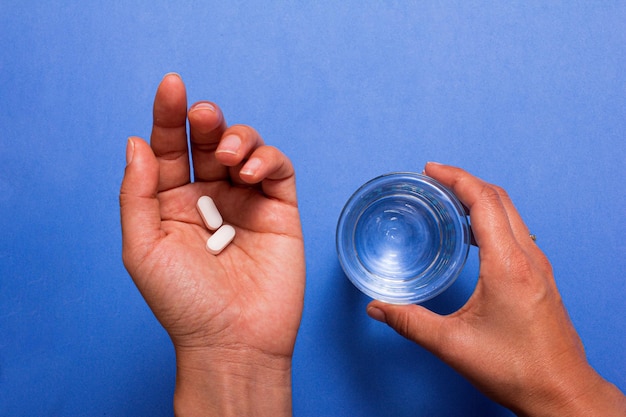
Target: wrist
[229, 382]
[583, 393]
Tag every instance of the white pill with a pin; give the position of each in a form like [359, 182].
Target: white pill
[220, 239]
[209, 212]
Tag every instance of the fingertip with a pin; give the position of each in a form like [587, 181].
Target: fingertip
[204, 116]
[433, 164]
[251, 169]
[264, 162]
[130, 150]
[432, 168]
[203, 106]
[411, 321]
[447, 175]
[376, 313]
[137, 146]
[142, 169]
[172, 74]
[171, 78]
[133, 149]
[435, 170]
[269, 167]
[169, 110]
[206, 122]
[228, 151]
[238, 142]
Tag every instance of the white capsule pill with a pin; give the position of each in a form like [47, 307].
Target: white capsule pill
[220, 239]
[209, 212]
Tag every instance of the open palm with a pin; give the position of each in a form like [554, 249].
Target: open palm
[249, 296]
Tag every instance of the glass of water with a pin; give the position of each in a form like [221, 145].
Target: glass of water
[403, 238]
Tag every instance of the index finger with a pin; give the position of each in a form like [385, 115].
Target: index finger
[490, 222]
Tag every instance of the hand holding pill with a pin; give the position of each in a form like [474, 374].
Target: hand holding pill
[231, 306]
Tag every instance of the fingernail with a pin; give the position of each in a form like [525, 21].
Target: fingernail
[377, 314]
[432, 164]
[229, 144]
[130, 150]
[203, 105]
[172, 73]
[251, 167]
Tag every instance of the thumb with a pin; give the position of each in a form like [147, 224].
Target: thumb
[139, 206]
[414, 322]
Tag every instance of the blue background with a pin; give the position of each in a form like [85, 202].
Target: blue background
[528, 95]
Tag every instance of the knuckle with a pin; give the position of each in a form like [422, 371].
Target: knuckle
[490, 192]
[544, 265]
[533, 275]
[502, 193]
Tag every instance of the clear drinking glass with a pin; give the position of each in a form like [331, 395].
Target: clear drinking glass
[403, 238]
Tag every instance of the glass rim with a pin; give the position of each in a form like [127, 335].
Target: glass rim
[416, 289]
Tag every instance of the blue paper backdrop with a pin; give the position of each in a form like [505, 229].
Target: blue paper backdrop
[528, 95]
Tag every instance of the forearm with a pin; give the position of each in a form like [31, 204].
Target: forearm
[232, 384]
